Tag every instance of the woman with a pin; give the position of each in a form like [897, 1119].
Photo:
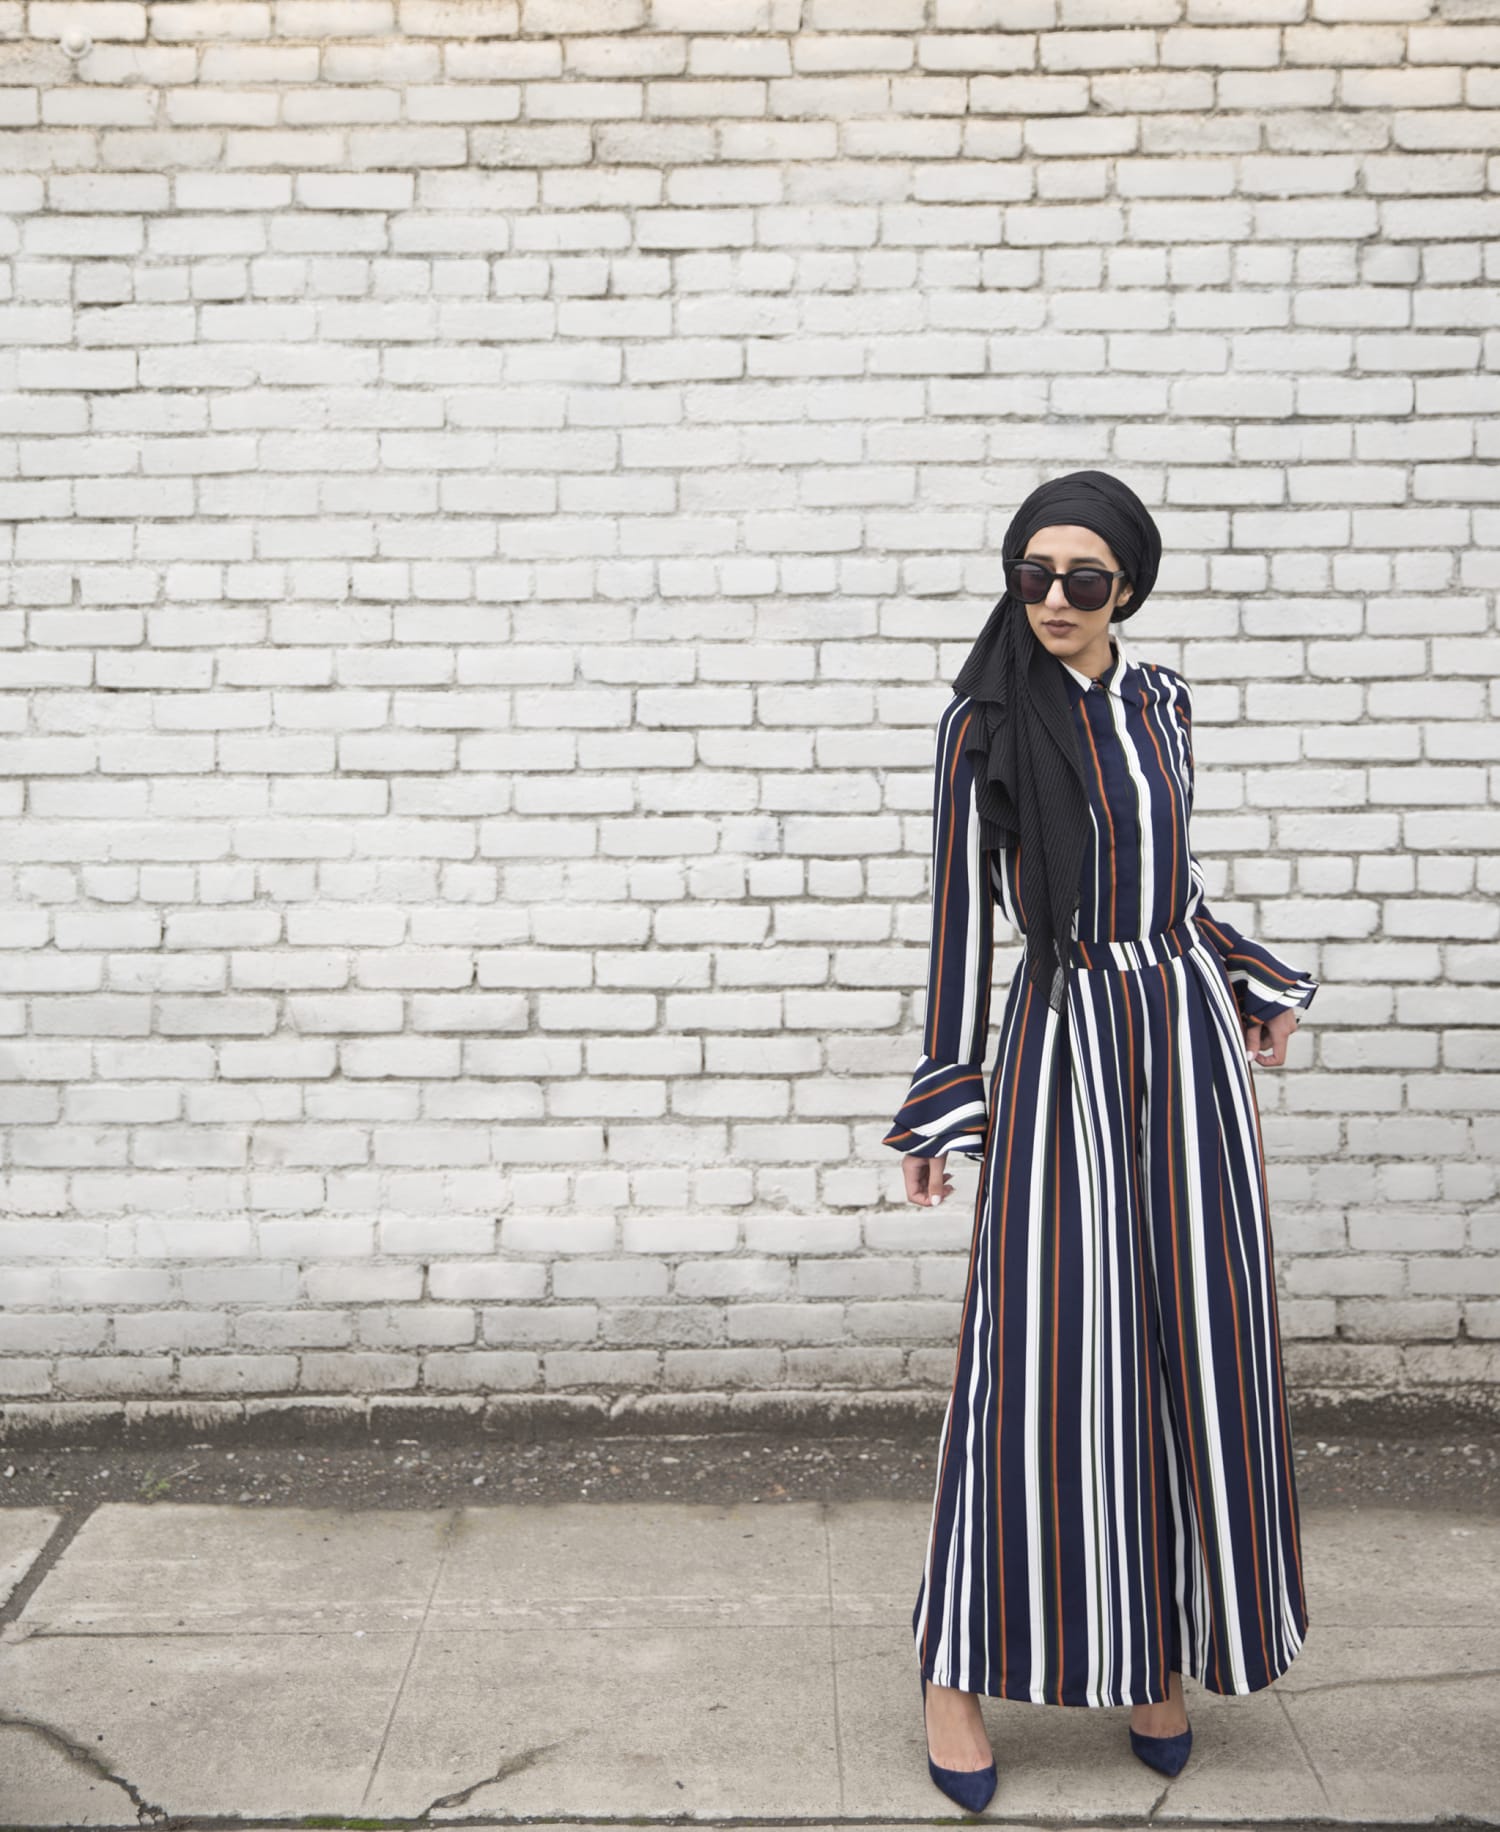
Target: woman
[1115, 1502]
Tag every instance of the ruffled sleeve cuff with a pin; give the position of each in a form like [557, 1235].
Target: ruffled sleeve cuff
[1263, 984]
[945, 1110]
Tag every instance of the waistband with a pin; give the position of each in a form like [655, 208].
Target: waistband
[1139, 950]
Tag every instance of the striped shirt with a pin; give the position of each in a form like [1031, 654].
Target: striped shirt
[1139, 876]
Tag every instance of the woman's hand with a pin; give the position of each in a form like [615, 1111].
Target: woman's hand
[1266, 1038]
[927, 1180]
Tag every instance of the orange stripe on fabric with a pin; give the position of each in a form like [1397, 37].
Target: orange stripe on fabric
[1214, 929]
[1263, 969]
[943, 1087]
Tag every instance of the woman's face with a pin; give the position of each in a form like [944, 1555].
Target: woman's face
[1061, 629]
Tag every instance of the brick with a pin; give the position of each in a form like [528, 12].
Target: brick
[1413, 1320]
[213, 19]
[27, 1332]
[111, 1376]
[116, 20]
[1453, 44]
[785, 1323]
[497, 1371]
[358, 1373]
[452, 19]
[983, 15]
[600, 1368]
[1267, 91]
[334, 19]
[1222, 46]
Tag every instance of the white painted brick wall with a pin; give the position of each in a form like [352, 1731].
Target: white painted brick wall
[493, 494]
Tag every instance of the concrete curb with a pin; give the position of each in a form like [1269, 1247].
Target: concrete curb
[517, 1418]
[502, 1417]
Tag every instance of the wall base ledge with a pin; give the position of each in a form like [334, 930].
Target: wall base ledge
[1328, 1393]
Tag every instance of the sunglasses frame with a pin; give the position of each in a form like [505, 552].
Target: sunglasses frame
[1098, 572]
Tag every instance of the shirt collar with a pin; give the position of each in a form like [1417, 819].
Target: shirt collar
[1116, 678]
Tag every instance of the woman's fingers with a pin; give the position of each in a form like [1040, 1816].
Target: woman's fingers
[927, 1181]
[1261, 1043]
[1267, 1040]
[939, 1184]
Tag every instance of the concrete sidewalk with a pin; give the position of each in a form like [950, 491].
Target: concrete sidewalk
[479, 1665]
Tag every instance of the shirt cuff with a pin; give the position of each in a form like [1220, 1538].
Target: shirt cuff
[1260, 998]
[945, 1110]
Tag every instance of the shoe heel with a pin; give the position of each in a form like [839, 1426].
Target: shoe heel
[971, 1788]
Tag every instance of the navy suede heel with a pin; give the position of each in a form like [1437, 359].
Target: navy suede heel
[1165, 1754]
[972, 1788]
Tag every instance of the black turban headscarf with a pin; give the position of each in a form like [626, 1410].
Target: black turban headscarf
[1022, 741]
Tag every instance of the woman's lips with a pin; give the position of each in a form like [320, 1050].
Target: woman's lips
[1058, 629]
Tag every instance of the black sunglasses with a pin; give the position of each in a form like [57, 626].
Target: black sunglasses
[1086, 588]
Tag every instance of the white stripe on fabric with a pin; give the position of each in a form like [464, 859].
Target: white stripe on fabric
[978, 911]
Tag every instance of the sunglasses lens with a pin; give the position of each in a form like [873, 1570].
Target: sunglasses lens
[1029, 583]
[1087, 591]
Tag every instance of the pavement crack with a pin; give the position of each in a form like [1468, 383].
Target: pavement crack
[833, 1654]
[147, 1813]
[450, 1527]
[527, 1758]
[1312, 1767]
[1397, 1679]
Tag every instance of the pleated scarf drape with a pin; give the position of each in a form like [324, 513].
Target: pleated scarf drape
[1028, 768]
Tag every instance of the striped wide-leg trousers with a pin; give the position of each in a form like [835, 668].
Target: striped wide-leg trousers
[1115, 1494]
